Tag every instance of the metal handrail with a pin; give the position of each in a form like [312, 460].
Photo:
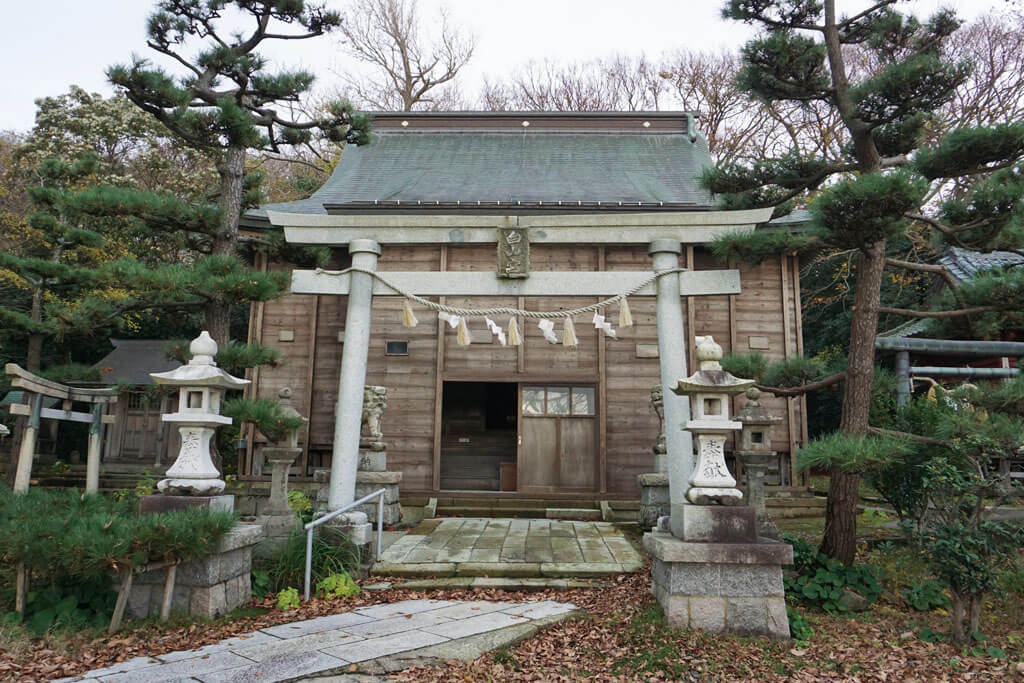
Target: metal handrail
[328, 517]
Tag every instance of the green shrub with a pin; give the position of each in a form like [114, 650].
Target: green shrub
[260, 583]
[799, 629]
[1012, 581]
[71, 604]
[332, 554]
[300, 503]
[926, 596]
[337, 586]
[57, 533]
[71, 543]
[821, 580]
[288, 599]
[144, 487]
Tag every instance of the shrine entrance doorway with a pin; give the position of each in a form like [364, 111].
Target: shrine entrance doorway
[558, 445]
[478, 436]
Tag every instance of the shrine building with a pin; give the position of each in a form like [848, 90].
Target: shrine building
[523, 210]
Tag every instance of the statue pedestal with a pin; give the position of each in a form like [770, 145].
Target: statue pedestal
[720, 587]
[368, 482]
[371, 476]
[714, 573]
[278, 519]
[654, 498]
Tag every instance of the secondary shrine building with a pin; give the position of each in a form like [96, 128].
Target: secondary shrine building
[444, 195]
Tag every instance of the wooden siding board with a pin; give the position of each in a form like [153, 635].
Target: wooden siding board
[630, 426]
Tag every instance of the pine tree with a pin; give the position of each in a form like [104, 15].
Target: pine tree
[879, 187]
[52, 267]
[227, 101]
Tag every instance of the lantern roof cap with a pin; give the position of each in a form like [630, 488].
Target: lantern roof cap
[201, 370]
[711, 378]
[753, 413]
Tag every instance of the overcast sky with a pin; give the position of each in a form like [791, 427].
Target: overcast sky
[47, 45]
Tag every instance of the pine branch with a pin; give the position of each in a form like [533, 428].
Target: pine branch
[874, 8]
[931, 441]
[806, 388]
[930, 268]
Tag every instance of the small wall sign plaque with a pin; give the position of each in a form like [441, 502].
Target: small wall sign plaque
[513, 253]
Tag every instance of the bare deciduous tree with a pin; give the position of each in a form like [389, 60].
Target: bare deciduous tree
[411, 71]
[618, 83]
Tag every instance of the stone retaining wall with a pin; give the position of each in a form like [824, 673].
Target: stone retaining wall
[208, 587]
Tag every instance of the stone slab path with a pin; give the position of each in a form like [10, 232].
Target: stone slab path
[332, 644]
[510, 548]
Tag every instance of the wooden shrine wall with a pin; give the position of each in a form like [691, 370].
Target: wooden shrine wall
[306, 328]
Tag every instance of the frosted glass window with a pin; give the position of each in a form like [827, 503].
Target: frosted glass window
[582, 401]
[558, 400]
[533, 400]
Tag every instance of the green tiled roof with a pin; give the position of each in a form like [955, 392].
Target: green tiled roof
[594, 170]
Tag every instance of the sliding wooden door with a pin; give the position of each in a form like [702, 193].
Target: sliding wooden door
[557, 439]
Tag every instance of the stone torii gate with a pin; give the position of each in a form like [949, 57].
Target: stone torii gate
[364, 235]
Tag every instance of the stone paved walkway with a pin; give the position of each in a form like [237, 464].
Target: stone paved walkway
[332, 644]
[510, 547]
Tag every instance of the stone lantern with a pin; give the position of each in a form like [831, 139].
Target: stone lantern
[201, 386]
[711, 569]
[711, 388]
[756, 455]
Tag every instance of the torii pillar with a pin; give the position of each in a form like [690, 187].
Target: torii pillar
[349, 410]
[672, 358]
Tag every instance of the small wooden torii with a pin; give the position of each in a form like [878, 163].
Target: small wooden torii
[36, 388]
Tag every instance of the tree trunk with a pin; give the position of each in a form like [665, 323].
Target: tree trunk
[840, 539]
[231, 168]
[974, 603]
[34, 356]
[840, 536]
[956, 615]
[33, 359]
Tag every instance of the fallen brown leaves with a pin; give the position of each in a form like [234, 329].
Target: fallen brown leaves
[620, 639]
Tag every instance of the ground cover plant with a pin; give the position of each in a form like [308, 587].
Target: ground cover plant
[71, 545]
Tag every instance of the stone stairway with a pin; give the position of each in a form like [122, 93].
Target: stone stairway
[785, 502]
[530, 508]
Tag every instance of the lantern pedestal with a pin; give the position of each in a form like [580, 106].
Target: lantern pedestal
[159, 502]
[714, 523]
[720, 587]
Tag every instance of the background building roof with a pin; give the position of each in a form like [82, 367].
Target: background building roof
[132, 360]
[964, 264]
[426, 161]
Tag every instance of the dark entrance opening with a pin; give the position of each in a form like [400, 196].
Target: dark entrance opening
[478, 435]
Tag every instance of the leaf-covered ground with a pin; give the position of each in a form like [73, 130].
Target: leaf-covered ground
[623, 638]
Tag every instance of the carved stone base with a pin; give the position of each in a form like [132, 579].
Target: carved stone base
[699, 495]
[720, 587]
[367, 483]
[191, 487]
[654, 498]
